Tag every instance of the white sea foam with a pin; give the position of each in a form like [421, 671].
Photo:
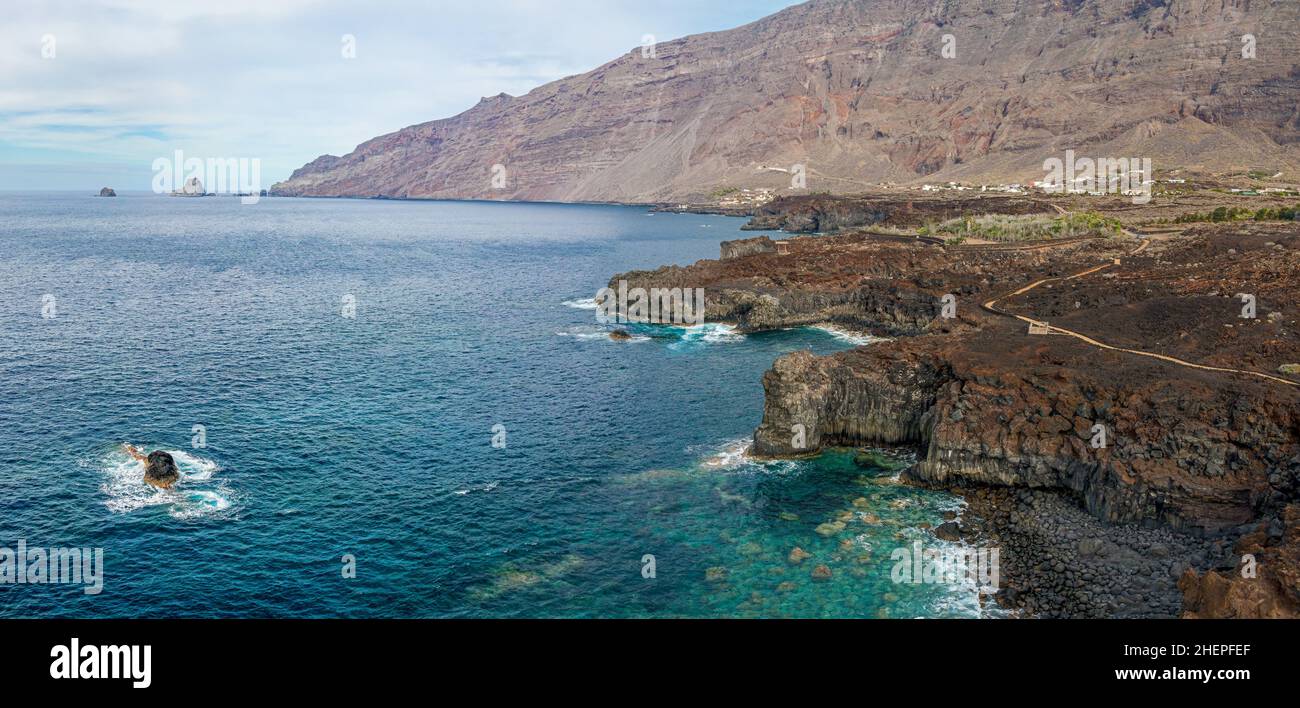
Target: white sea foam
[731, 455]
[200, 503]
[192, 467]
[196, 494]
[587, 303]
[707, 333]
[855, 338]
[481, 488]
[595, 333]
[716, 333]
[686, 337]
[961, 599]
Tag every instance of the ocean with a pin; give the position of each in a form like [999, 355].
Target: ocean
[416, 394]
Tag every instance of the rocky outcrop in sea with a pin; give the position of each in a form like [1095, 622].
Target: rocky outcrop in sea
[160, 470]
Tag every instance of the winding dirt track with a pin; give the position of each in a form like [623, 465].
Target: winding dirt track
[991, 306]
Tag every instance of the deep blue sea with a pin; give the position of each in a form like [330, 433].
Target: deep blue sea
[137, 318]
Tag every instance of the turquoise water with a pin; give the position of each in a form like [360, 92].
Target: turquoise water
[372, 435]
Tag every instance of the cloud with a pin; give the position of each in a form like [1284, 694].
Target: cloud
[132, 80]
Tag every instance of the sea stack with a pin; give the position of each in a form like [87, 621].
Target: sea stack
[160, 470]
[192, 188]
[107, 192]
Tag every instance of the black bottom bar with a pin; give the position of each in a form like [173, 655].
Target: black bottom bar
[245, 655]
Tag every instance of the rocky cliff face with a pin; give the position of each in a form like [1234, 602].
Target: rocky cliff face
[991, 404]
[873, 284]
[747, 247]
[1262, 582]
[854, 92]
[825, 214]
[1116, 485]
[1188, 452]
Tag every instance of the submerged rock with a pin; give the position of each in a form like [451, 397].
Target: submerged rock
[798, 555]
[874, 459]
[160, 470]
[948, 531]
[620, 335]
[821, 572]
[830, 528]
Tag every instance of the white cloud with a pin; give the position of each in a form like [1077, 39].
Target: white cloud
[135, 79]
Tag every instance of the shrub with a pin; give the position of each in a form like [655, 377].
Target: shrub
[1004, 228]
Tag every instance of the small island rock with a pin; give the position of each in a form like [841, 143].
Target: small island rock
[160, 470]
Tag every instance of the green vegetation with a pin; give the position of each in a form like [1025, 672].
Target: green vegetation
[1241, 214]
[724, 192]
[891, 230]
[1010, 229]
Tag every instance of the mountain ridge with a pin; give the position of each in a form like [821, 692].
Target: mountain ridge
[853, 93]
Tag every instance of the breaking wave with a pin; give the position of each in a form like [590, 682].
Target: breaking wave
[196, 494]
[857, 339]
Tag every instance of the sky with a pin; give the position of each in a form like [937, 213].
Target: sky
[92, 93]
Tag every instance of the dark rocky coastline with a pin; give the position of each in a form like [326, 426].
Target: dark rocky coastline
[1058, 561]
[819, 213]
[1156, 520]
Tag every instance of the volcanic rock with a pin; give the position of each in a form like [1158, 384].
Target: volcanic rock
[160, 470]
[948, 531]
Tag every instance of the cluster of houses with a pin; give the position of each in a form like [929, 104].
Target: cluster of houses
[1092, 186]
[747, 198]
[955, 187]
[1081, 185]
[1097, 186]
[1267, 190]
